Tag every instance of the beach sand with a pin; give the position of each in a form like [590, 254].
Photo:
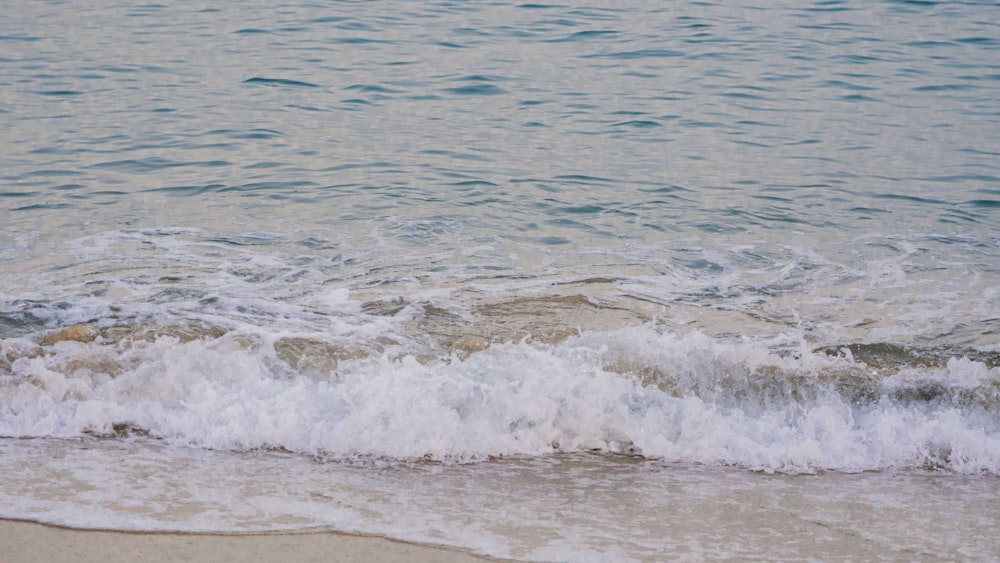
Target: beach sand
[29, 542]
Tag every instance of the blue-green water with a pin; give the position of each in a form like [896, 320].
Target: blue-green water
[704, 235]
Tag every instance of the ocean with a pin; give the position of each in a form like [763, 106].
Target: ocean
[551, 282]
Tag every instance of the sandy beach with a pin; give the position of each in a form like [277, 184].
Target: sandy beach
[29, 542]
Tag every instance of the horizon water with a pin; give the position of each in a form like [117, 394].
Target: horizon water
[568, 282]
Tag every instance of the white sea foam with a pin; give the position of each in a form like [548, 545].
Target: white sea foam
[686, 398]
[662, 390]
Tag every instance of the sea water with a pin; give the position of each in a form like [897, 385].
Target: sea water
[569, 281]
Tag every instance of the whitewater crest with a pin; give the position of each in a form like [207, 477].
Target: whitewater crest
[640, 390]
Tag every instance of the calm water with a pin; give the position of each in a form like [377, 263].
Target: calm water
[545, 281]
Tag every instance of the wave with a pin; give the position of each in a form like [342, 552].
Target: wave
[642, 391]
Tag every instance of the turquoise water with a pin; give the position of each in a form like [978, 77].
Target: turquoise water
[756, 151]
[382, 233]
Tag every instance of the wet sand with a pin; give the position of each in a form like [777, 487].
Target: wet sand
[29, 542]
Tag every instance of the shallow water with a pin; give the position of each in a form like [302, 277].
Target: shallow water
[571, 507]
[660, 251]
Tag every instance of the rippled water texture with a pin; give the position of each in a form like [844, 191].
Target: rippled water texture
[847, 149]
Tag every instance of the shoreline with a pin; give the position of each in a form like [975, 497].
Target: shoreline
[26, 541]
